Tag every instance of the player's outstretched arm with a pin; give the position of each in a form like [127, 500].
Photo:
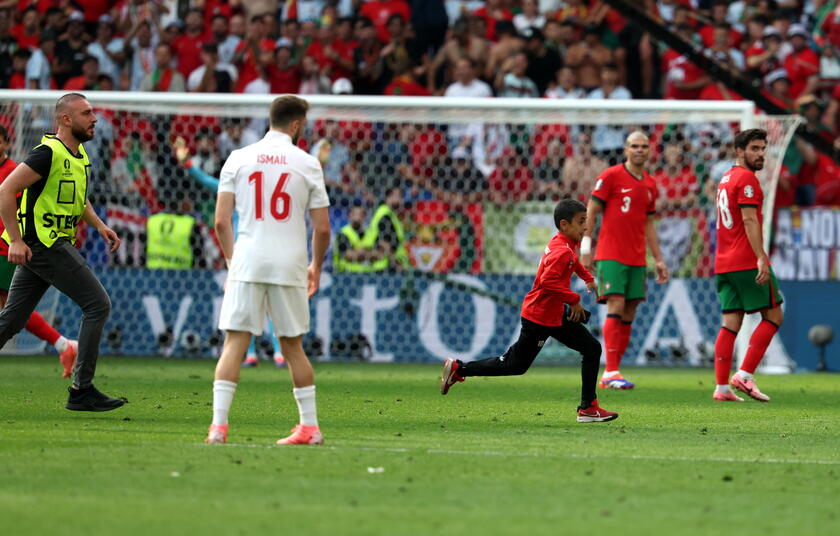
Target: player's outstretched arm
[224, 223]
[753, 230]
[593, 208]
[320, 242]
[652, 239]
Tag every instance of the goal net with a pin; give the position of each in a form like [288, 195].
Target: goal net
[478, 179]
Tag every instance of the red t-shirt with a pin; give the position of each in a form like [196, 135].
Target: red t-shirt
[284, 81]
[379, 13]
[627, 202]
[678, 64]
[317, 51]
[187, 49]
[406, 86]
[713, 92]
[544, 303]
[785, 197]
[491, 21]
[25, 41]
[248, 71]
[800, 66]
[77, 83]
[6, 167]
[738, 188]
[684, 183]
[831, 28]
[827, 181]
[17, 81]
[707, 35]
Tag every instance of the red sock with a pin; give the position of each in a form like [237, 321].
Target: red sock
[724, 347]
[612, 342]
[626, 333]
[759, 342]
[39, 327]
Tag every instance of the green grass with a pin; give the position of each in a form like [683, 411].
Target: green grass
[495, 456]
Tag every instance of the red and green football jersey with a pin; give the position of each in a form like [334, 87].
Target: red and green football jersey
[738, 188]
[628, 202]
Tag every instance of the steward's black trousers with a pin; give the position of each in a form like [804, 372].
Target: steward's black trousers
[531, 340]
[63, 267]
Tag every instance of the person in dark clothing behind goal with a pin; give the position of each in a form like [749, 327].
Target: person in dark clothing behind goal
[550, 309]
[54, 180]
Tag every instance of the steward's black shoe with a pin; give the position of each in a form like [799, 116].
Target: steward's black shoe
[91, 399]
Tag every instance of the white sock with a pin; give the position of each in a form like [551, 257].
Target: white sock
[746, 376]
[250, 357]
[723, 388]
[611, 373]
[61, 344]
[305, 398]
[223, 392]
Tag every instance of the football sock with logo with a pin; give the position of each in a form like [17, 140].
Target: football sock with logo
[612, 341]
[626, 334]
[724, 346]
[759, 341]
[223, 392]
[305, 398]
[39, 327]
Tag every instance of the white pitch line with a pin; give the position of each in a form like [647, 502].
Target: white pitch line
[573, 456]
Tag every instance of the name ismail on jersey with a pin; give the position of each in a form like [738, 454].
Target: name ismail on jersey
[271, 159]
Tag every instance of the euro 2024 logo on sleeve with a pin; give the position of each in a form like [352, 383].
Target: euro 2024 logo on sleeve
[748, 191]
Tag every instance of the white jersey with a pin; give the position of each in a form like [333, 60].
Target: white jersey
[274, 183]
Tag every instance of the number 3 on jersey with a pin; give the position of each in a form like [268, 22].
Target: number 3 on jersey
[625, 203]
[724, 214]
[278, 197]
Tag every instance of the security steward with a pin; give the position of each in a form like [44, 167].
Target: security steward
[41, 236]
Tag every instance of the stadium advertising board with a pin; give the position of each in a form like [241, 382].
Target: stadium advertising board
[806, 244]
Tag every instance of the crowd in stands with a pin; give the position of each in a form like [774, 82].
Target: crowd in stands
[555, 49]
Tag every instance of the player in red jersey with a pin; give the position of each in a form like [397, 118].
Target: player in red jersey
[36, 324]
[550, 309]
[626, 194]
[745, 280]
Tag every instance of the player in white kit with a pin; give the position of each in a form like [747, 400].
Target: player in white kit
[271, 184]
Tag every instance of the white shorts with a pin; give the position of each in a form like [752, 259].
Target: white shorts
[245, 305]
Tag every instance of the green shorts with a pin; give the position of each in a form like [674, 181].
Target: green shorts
[738, 291]
[7, 271]
[615, 278]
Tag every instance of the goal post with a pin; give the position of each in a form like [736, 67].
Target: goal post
[481, 226]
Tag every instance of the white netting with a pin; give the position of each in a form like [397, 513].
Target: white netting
[479, 178]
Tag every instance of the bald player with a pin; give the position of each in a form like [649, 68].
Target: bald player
[626, 194]
[41, 235]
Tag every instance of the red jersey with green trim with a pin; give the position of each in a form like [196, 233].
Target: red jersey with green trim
[738, 188]
[544, 304]
[627, 202]
[6, 167]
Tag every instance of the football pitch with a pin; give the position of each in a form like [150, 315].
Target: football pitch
[494, 456]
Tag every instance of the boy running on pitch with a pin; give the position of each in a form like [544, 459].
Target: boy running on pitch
[544, 315]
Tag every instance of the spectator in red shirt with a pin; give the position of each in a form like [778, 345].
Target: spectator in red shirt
[403, 83]
[380, 11]
[367, 59]
[803, 64]
[283, 76]
[28, 31]
[512, 179]
[19, 60]
[248, 52]
[187, 46]
[766, 56]
[717, 90]
[721, 45]
[822, 170]
[830, 26]
[719, 11]
[89, 79]
[677, 183]
[777, 88]
[332, 55]
[684, 80]
[493, 12]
